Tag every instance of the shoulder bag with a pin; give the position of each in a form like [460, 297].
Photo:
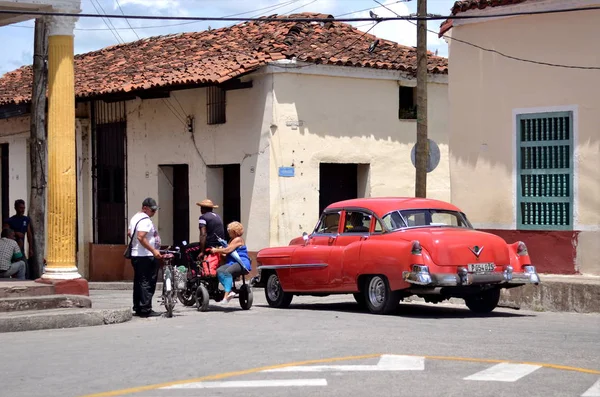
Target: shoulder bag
[127, 253]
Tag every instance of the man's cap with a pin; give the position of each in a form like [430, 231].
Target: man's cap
[150, 203]
[207, 203]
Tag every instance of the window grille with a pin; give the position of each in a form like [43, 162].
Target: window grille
[545, 167]
[215, 102]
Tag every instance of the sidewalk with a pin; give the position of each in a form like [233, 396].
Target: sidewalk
[556, 293]
[28, 306]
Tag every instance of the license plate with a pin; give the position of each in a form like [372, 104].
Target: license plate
[481, 267]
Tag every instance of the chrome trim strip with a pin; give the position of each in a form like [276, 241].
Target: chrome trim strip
[293, 266]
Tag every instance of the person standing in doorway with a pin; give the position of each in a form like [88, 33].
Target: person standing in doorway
[21, 225]
[210, 225]
[145, 245]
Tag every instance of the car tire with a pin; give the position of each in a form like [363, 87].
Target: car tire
[275, 295]
[360, 299]
[483, 302]
[379, 298]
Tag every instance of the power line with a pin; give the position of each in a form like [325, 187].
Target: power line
[127, 20]
[501, 53]
[270, 8]
[287, 20]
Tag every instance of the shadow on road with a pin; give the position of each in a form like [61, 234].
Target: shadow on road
[412, 310]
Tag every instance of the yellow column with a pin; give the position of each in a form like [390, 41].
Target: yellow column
[61, 208]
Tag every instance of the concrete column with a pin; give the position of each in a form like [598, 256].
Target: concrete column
[61, 217]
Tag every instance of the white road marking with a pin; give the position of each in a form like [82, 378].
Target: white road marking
[504, 372]
[250, 383]
[387, 362]
[593, 391]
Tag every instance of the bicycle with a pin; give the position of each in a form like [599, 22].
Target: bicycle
[170, 282]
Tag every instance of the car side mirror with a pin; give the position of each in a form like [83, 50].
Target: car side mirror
[305, 238]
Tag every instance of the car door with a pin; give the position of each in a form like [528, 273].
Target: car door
[310, 266]
[356, 229]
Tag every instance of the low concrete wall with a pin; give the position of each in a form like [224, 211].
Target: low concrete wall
[552, 252]
[555, 295]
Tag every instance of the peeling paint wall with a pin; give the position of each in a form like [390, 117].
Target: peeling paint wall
[156, 136]
[345, 120]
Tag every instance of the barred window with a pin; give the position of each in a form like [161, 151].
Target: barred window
[215, 102]
[545, 167]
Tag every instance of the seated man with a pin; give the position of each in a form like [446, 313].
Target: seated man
[356, 223]
[11, 257]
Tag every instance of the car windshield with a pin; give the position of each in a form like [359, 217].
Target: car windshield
[425, 218]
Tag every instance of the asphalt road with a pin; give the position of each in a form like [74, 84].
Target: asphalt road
[319, 346]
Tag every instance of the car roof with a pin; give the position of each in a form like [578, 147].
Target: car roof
[382, 205]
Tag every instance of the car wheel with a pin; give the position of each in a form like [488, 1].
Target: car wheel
[246, 297]
[484, 302]
[275, 295]
[380, 299]
[202, 298]
[360, 299]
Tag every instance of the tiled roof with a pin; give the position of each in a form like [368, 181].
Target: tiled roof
[215, 56]
[466, 5]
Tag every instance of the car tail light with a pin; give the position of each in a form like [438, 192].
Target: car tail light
[416, 248]
[522, 249]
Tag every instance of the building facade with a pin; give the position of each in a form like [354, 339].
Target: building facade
[524, 137]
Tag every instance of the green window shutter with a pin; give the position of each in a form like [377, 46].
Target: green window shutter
[545, 171]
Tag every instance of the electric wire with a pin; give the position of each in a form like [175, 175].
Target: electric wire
[557, 65]
[287, 20]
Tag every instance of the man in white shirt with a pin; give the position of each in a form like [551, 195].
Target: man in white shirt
[145, 247]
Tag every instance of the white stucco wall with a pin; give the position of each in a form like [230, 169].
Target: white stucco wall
[345, 119]
[486, 91]
[15, 132]
[156, 137]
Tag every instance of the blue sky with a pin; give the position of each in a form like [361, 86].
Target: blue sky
[92, 34]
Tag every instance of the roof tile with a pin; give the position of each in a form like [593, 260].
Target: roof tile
[466, 5]
[215, 56]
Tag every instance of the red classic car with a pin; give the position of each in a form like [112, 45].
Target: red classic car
[383, 250]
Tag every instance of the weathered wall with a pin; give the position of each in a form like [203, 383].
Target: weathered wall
[345, 120]
[487, 91]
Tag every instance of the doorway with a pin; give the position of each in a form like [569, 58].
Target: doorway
[224, 189]
[4, 197]
[339, 182]
[174, 202]
[109, 165]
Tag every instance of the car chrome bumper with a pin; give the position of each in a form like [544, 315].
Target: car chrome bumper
[423, 277]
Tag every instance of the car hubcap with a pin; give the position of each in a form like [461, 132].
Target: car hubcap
[377, 291]
[273, 289]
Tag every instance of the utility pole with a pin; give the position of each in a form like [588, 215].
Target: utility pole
[422, 149]
[38, 148]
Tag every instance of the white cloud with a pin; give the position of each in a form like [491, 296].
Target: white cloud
[93, 34]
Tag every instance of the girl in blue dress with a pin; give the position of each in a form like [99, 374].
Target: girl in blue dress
[237, 261]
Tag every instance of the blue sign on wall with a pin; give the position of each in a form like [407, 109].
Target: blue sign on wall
[286, 171]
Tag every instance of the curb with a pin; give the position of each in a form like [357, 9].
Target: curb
[554, 296]
[62, 318]
[44, 302]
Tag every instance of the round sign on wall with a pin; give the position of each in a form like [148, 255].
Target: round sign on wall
[434, 156]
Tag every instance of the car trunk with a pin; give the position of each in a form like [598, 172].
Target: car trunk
[459, 247]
